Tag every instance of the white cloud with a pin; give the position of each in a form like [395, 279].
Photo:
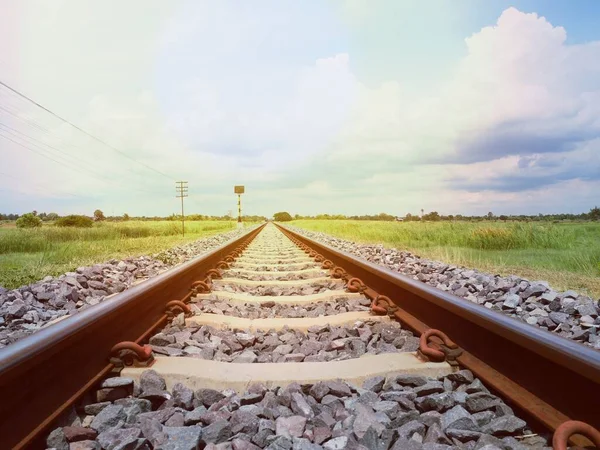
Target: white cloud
[520, 92]
[221, 94]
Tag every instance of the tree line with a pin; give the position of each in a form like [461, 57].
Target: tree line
[99, 216]
[38, 218]
[434, 216]
[35, 219]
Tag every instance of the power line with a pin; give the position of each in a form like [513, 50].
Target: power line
[67, 155]
[73, 165]
[83, 131]
[64, 164]
[34, 124]
[27, 120]
[31, 150]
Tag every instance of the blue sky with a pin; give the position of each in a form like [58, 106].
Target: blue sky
[341, 106]
[581, 18]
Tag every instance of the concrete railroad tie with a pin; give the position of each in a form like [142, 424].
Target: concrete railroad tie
[271, 249]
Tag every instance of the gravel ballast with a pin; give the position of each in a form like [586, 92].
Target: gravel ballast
[272, 309]
[285, 267]
[276, 291]
[397, 412]
[567, 314]
[25, 310]
[401, 412]
[321, 343]
[274, 276]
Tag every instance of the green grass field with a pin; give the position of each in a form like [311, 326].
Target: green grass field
[30, 255]
[567, 255]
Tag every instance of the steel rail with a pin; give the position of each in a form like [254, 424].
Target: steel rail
[546, 378]
[42, 375]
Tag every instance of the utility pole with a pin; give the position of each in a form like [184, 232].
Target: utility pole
[181, 188]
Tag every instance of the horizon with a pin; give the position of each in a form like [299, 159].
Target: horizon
[323, 106]
[591, 214]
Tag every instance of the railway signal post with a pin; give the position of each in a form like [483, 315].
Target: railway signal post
[239, 190]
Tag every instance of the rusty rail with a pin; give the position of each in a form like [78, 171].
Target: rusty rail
[45, 373]
[546, 378]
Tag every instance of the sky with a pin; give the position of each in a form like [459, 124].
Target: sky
[340, 107]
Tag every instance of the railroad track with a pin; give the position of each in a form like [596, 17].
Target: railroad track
[277, 341]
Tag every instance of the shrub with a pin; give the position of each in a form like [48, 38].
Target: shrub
[98, 215]
[282, 217]
[75, 221]
[29, 221]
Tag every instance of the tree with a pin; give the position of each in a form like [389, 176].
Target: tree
[385, 217]
[594, 213]
[51, 216]
[490, 215]
[433, 216]
[282, 216]
[126, 216]
[29, 220]
[98, 215]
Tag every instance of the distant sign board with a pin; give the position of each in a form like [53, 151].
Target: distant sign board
[238, 189]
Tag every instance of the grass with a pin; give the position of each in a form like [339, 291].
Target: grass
[29, 255]
[567, 255]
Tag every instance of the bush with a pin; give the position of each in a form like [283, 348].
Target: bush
[98, 215]
[282, 217]
[75, 221]
[29, 221]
